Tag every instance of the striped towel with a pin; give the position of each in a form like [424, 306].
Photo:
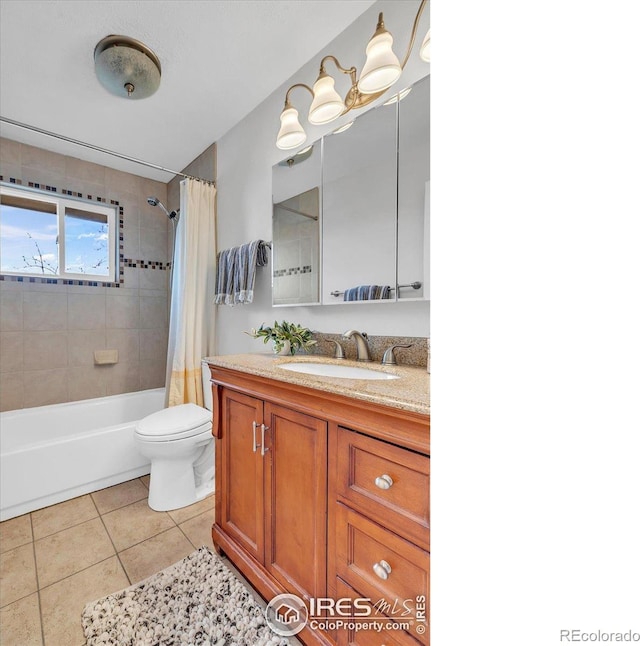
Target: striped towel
[236, 272]
[221, 277]
[367, 293]
[250, 256]
[225, 271]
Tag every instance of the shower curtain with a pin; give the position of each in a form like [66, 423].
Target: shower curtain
[191, 318]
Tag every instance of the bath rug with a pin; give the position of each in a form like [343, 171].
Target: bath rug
[196, 602]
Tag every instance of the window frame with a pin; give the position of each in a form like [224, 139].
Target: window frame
[62, 203]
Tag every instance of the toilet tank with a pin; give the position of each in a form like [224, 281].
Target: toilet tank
[206, 385]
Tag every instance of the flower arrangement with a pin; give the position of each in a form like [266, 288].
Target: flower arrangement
[284, 333]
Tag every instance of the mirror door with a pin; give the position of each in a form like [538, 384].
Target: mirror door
[413, 193]
[296, 229]
[359, 209]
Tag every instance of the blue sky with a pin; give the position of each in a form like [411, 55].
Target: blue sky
[22, 231]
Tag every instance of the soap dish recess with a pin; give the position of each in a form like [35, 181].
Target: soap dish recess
[105, 357]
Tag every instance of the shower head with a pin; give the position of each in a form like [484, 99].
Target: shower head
[154, 201]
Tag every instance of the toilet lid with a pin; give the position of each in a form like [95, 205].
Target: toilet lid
[175, 422]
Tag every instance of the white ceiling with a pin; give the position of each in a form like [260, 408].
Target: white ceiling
[219, 58]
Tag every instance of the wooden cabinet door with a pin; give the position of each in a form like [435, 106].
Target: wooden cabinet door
[296, 500]
[242, 510]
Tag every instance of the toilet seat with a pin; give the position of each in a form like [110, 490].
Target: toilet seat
[175, 423]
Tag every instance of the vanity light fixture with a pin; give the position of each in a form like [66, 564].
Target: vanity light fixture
[126, 67]
[381, 70]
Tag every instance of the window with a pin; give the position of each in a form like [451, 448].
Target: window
[58, 237]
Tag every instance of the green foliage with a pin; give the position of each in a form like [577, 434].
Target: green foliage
[298, 336]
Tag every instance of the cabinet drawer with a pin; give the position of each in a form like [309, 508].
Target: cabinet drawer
[370, 636]
[366, 553]
[365, 465]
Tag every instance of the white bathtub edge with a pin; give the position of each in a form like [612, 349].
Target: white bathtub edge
[73, 492]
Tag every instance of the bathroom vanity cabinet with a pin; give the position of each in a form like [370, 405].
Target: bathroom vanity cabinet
[272, 466]
[324, 495]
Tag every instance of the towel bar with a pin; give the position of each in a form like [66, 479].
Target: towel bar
[416, 285]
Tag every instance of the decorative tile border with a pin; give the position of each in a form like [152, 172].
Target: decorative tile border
[146, 264]
[292, 271]
[123, 262]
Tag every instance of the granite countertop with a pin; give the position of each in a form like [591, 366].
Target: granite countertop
[410, 392]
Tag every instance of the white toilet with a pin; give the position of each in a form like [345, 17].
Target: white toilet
[178, 442]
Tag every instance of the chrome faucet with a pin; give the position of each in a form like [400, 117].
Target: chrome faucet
[362, 347]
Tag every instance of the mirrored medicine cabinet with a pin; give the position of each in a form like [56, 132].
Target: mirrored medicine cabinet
[351, 211]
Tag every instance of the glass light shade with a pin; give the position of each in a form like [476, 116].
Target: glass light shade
[327, 104]
[382, 67]
[425, 48]
[291, 133]
[126, 67]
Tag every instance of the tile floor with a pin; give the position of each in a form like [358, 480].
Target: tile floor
[57, 559]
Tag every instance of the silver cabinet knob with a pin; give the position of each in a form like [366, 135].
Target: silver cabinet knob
[382, 570]
[384, 481]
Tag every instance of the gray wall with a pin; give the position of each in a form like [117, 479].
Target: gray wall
[246, 155]
[48, 332]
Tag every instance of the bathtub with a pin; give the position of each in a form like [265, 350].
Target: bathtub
[53, 453]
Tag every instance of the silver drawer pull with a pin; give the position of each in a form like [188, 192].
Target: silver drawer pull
[255, 446]
[382, 570]
[263, 450]
[384, 481]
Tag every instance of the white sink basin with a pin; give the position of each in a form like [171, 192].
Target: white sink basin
[336, 370]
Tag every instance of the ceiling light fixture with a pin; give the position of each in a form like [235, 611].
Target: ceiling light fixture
[381, 70]
[126, 67]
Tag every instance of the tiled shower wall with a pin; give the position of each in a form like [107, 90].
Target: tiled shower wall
[48, 332]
